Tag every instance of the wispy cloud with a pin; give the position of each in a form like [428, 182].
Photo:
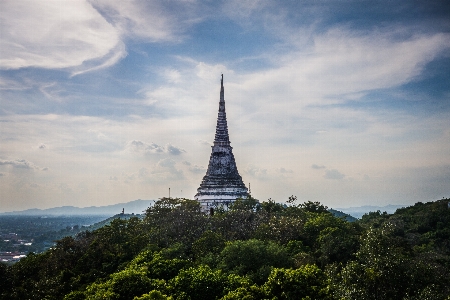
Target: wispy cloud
[317, 167]
[333, 174]
[285, 171]
[166, 169]
[194, 168]
[174, 150]
[65, 39]
[152, 148]
[82, 36]
[341, 63]
[257, 172]
[108, 60]
[149, 20]
[139, 146]
[20, 163]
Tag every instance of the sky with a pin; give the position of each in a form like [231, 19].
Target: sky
[342, 102]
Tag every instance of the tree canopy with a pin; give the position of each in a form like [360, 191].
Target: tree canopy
[251, 251]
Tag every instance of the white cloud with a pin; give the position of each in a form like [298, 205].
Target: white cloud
[19, 163]
[351, 62]
[116, 54]
[84, 36]
[195, 92]
[285, 171]
[197, 169]
[139, 146]
[317, 167]
[148, 20]
[152, 148]
[166, 169]
[172, 75]
[174, 150]
[256, 172]
[333, 174]
[9, 84]
[52, 34]
[206, 143]
[339, 65]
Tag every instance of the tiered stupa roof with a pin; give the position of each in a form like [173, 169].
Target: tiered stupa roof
[222, 183]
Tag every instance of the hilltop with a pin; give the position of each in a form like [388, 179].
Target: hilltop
[139, 206]
[266, 251]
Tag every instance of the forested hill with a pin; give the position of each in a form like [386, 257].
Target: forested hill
[340, 214]
[267, 251]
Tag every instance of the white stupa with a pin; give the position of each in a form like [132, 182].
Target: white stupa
[222, 183]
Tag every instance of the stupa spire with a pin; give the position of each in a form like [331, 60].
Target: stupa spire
[222, 138]
[222, 99]
[222, 183]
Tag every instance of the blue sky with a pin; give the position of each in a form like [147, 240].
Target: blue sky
[342, 102]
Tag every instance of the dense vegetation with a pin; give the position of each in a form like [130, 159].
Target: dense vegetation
[252, 251]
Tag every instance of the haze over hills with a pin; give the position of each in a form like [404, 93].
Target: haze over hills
[139, 206]
[136, 207]
[359, 211]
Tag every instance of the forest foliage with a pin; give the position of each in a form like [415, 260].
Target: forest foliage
[251, 251]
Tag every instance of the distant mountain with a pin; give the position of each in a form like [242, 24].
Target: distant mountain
[136, 207]
[139, 206]
[359, 211]
[341, 214]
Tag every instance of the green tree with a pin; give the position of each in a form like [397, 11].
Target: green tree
[248, 292]
[249, 203]
[337, 244]
[316, 222]
[123, 285]
[380, 271]
[198, 283]
[236, 224]
[209, 242]
[164, 268]
[164, 264]
[75, 295]
[173, 220]
[314, 207]
[153, 295]
[281, 229]
[271, 207]
[253, 258]
[292, 200]
[306, 282]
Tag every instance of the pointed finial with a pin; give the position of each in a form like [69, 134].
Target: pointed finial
[222, 99]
